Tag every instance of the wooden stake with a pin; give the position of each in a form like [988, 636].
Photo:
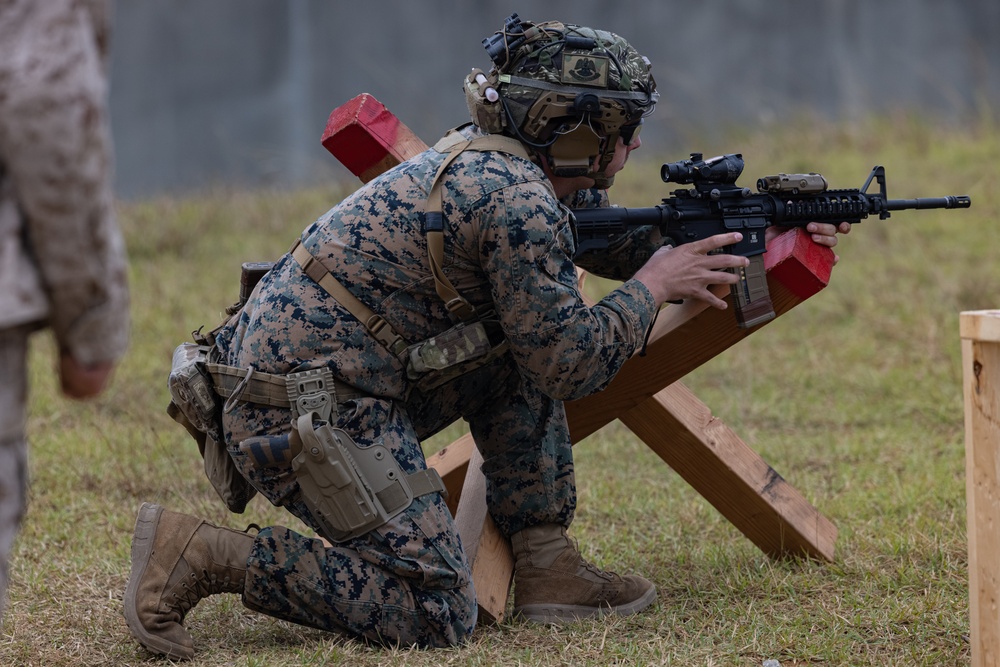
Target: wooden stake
[730, 475]
[980, 333]
[488, 551]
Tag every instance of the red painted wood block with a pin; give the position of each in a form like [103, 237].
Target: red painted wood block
[367, 138]
[800, 265]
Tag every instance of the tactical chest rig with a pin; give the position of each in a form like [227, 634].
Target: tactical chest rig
[465, 346]
[350, 490]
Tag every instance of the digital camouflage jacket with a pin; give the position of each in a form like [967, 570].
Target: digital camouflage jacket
[509, 247]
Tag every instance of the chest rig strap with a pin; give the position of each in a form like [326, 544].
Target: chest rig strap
[455, 144]
[376, 324]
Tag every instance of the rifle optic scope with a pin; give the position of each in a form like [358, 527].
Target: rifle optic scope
[723, 169]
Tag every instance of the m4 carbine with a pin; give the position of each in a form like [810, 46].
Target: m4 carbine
[716, 205]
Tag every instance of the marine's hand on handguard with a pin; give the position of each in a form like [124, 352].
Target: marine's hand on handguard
[822, 233]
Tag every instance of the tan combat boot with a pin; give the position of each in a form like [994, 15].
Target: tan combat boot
[176, 561]
[553, 584]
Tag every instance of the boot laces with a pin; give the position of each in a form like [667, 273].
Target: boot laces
[192, 589]
[603, 574]
[613, 586]
[590, 567]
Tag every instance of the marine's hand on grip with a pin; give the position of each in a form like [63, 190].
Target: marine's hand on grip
[687, 271]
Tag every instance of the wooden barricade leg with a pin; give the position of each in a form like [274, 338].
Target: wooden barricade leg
[730, 475]
[980, 333]
[367, 138]
[488, 551]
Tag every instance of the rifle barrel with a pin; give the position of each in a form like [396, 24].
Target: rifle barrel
[951, 201]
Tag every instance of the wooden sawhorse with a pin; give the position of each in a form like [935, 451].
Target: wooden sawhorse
[647, 395]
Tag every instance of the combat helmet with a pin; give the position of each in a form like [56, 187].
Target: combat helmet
[565, 91]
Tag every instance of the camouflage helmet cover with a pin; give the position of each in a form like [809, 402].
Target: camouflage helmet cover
[566, 91]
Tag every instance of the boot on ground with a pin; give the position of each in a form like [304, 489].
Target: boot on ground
[176, 561]
[554, 584]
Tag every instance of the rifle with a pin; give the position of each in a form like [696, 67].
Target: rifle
[716, 205]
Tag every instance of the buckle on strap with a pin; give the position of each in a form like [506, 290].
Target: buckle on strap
[309, 265]
[238, 390]
[312, 391]
[461, 308]
[386, 335]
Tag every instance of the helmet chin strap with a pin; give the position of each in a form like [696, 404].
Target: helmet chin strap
[601, 181]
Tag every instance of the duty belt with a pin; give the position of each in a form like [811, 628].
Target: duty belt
[295, 391]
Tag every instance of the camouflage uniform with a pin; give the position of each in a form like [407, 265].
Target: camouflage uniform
[62, 259]
[509, 247]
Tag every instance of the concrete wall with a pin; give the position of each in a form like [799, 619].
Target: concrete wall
[208, 92]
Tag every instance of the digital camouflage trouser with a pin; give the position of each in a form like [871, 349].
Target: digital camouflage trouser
[408, 581]
[13, 446]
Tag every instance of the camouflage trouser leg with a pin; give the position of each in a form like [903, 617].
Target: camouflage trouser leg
[523, 437]
[405, 582]
[13, 446]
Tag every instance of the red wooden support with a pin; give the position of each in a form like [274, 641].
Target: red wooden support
[367, 138]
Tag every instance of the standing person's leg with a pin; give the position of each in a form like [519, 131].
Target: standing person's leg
[13, 444]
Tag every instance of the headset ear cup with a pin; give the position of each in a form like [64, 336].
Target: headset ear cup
[573, 153]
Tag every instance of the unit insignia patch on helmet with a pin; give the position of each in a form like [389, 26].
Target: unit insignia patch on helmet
[586, 70]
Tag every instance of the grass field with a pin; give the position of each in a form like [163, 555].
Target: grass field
[854, 396]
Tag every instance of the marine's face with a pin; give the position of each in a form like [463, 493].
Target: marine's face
[621, 155]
